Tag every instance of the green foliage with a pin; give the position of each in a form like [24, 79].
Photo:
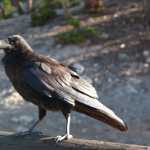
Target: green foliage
[57, 3]
[71, 37]
[60, 3]
[41, 17]
[43, 11]
[20, 8]
[73, 21]
[89, 31]
[77, 36]
[42, 14]
[8, 8]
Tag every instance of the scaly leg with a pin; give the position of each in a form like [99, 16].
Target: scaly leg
[42, 113]
[67, 136]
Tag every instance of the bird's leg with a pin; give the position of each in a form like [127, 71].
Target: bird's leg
[42, 114]
[67, 136]
[34, 125]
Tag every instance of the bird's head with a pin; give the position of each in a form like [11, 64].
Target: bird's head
[15, 43]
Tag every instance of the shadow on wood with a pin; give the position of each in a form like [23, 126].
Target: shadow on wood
[8, 141]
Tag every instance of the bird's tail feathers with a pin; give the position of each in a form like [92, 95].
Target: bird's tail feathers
[100, 112]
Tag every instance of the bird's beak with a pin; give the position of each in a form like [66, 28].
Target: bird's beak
[4, 44]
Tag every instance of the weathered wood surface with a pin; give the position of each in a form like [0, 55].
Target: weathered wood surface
[9, 141]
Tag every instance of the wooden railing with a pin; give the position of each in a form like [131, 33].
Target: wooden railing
[8, 141]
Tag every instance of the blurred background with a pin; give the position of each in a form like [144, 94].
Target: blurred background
[107, 41]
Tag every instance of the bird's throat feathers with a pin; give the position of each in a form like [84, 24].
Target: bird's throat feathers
[17, 56]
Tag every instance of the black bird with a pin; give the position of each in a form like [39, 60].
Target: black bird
[52, 86]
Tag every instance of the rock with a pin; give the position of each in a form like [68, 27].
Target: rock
[146, 65]
[136, 66]
[104, 35]
[123, 56]
[25, 119]
[110, 80]
[49, 42]
[58, 46]
[148, 59]
[116, 15]
[130, 89]
[146, 53]
[122, 45]
[134, 80]
[141, 66]
[15, 119]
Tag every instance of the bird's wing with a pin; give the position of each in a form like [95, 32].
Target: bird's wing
[48, 79]
[84, 87]
[81, 85]
[33, 77]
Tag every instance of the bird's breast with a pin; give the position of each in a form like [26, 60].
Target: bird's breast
[14, 72]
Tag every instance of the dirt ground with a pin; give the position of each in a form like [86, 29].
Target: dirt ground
[118, 64]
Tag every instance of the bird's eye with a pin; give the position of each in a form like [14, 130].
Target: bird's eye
[12, 42]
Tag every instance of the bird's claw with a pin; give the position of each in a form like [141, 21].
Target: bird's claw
[60, 138]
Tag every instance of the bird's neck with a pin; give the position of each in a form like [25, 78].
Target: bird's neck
[17, 57]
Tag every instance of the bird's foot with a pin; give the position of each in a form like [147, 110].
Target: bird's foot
[28, 132]
[60, 138]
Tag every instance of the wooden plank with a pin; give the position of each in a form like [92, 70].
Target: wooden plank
[42, 142]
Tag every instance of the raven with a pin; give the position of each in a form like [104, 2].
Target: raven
[52, 86]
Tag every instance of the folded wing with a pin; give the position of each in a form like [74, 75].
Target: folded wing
[48, 79]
